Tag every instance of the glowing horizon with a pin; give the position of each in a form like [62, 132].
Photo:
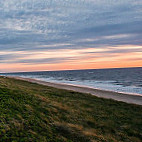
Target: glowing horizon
[75, 59]
[69, 35]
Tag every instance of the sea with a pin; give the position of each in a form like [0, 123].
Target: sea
[123, 80]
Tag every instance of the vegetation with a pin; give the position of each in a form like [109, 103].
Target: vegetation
[37, 113]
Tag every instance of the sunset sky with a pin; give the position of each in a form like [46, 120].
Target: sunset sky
[70, 34]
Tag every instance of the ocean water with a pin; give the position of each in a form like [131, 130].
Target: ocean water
[126, 80]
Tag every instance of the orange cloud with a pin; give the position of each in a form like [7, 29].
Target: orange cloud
[89, 58]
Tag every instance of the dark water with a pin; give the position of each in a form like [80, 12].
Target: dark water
[127, 80]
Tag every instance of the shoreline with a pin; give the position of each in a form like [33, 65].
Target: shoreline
[123, 97]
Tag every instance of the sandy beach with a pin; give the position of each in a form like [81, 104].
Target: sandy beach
[128, 98]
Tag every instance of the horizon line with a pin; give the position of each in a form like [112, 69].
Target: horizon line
[69, 70]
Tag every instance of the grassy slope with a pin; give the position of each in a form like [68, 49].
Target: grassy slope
[32, 112]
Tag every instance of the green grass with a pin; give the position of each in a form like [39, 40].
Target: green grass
[35, 113]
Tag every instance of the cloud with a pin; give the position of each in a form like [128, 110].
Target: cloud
[33, 25]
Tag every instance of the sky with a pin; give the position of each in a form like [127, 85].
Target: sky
[40, 35]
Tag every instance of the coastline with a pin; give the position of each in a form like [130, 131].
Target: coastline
[123, 97]
[33, 111]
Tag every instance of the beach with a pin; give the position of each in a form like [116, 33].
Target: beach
[128, 98]
[33, 110]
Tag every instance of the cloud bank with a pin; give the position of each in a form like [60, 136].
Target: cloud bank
[36, 28]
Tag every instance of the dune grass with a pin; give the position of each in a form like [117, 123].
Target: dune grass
[37, 113]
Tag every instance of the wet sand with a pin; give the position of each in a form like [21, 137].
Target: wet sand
[128, 98]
